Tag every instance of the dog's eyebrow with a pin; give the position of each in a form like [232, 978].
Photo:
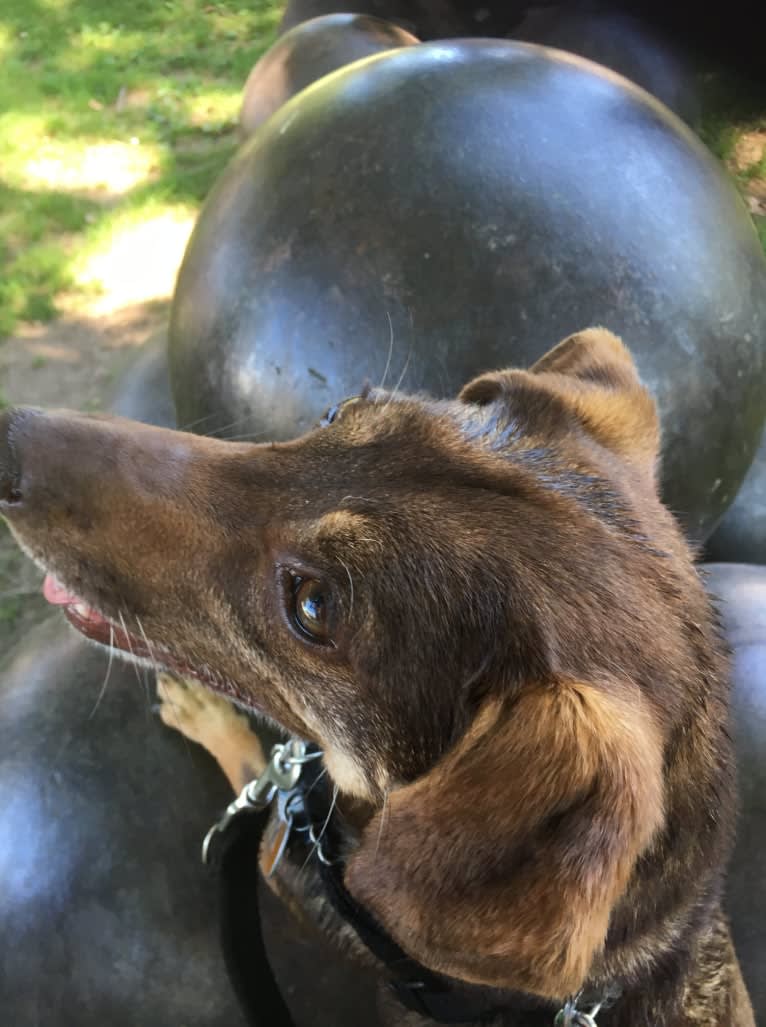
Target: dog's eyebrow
[342, 521]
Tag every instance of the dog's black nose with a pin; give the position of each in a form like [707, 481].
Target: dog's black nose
[10, 463]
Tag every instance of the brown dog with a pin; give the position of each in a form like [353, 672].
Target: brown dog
[482, 613]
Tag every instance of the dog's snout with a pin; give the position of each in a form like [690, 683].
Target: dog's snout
[64, 471]
[11, 485]
[41, 464]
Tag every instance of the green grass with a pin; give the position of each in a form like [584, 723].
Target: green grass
[151, 88]
[731, 105]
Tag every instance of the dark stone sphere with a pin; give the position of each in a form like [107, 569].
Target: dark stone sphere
[309, 52]
[623, 43]
[741, 535]
[427, 19]
[107, 915]
[741, 591]
[144, 392]
[443, 209]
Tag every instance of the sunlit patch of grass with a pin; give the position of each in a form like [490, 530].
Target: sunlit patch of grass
[110, 108]
[102, 170]
[6, 43]
[213, 110]
[134, 255]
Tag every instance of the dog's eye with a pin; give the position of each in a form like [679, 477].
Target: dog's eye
[333, 412]
[330, 415]
[312, 608]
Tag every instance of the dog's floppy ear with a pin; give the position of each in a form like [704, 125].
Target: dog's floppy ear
[588, 379]
[501, 865]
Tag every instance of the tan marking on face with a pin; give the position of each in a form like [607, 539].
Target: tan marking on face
[340, 522]
[344, 770]
[346, 774]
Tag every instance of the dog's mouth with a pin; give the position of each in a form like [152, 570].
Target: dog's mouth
[99, 628]
[91, 623]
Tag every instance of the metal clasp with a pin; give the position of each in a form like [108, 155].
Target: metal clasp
[281, 774]
[571, 1016]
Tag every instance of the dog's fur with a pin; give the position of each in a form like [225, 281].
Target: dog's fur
[524, 696]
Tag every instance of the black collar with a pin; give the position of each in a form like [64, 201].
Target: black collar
[235, 855]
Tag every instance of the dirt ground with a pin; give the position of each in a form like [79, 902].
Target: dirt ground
[77, 360]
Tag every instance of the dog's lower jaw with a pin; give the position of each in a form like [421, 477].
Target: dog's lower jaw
[347, 775]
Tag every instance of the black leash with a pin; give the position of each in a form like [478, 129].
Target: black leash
[233, 849]
[244, 951]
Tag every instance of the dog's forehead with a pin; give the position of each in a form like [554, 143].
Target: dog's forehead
[374, 447]
[390, 468]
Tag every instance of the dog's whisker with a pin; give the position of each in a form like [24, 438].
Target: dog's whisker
[102, 692]
[318, 839]
[247, 435]
[390, 350]
[383, 814]
[148, 645]
[138, 668]
[316, 780]
[330, 811]
[133, 662]
[218, 432]
[392, 397]
[194, 424]
[351, 584]
[155, 665]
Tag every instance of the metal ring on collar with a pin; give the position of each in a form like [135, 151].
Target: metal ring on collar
[571, 1016]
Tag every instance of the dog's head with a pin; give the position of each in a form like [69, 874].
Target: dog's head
[478, 608]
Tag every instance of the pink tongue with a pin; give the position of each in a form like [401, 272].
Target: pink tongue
[55, 592]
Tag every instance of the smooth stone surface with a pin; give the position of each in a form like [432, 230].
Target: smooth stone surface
[705, 32]
[741, 535]
[307, 53]
[731, 35]
[427, 19]
[144, 392]
[440, 210]
[106, 913]
[624, 44]
[741, 590]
